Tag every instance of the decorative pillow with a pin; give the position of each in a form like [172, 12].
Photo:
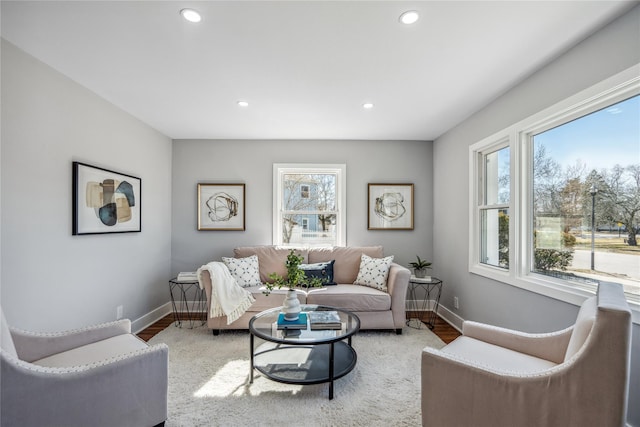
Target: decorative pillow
[374, 272]
[244, 270]
[320, 270]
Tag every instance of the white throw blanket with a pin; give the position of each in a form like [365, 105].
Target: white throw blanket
[227, 297]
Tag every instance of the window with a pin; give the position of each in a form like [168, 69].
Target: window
[309, 205]
[494, 208]
[304, 191]
[555, 199]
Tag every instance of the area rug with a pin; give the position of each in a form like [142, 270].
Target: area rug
[209, 383]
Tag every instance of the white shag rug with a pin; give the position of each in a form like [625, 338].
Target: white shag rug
[209, 383]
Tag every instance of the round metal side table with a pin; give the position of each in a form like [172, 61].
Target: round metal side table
[183, 309]
[427, 311]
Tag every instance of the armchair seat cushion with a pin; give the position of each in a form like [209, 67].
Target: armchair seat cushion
[94, 352]
[496, 358]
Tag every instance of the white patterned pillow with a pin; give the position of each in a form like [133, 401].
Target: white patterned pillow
[374, 272]
[244, 270]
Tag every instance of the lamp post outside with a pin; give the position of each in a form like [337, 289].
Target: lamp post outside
[593, 191]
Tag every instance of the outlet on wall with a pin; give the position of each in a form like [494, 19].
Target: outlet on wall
[456, 303]
[119, 312]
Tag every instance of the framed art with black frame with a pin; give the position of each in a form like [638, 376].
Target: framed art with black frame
[105, 201]
[390, 207]
[221, 207]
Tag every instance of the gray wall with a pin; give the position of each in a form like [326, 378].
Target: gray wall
[613, 49]
[251, 162]
[52, 280]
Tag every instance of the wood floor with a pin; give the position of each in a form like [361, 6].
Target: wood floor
[442, 329]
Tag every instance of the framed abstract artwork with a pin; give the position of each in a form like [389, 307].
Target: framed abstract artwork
[390, 207]
[221, 207]
[105, 201]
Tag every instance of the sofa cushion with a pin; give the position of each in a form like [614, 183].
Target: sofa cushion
[319, 270]
[347, 260]
[94, 352]
[274, 299]
[374, 272]
[271, 259]
[244, 270]
[351, 297]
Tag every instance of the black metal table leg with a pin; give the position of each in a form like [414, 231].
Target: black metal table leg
[331, 360]
[251, 357]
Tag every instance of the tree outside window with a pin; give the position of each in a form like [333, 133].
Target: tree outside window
[308, 206]
[586, 187]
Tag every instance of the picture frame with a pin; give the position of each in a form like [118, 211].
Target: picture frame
[221, 207]
[105, 201]
[390, 207]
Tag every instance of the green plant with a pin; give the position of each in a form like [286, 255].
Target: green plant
[552, 259]
[421, 264]
[295, 276]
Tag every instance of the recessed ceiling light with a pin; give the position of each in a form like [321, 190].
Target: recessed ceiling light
[191, 15]
[409, 17]
[367, 105]
[243, 103]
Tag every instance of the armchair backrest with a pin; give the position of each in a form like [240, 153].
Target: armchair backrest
[6, 341]
[602, 362]
[582, 327]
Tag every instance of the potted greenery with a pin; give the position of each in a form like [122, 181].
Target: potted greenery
[295, 277]
[420, 267]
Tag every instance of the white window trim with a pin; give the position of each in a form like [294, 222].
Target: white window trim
[617, 88]
[281, 169]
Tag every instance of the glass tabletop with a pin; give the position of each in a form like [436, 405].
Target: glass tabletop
[265, 325]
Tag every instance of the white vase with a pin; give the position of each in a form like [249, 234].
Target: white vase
[291, 305]
[420, 273]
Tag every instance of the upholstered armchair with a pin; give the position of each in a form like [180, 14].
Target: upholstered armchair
[97, 376]
[493, 377]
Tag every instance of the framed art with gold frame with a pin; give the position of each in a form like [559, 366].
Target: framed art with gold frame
[221, 207]
[390, 207]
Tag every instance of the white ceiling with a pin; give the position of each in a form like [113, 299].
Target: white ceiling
[305, 67]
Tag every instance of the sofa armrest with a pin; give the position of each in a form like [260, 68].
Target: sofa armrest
[32, 346]
[135, 383]
[548, 346]
[397, 285]
[205, 282]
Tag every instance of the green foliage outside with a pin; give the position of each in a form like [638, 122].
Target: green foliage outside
[552, 259]
[544, 259]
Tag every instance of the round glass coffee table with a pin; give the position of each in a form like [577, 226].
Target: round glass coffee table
[304, 354]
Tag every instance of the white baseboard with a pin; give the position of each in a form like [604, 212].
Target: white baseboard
[150, 318]
[448, 316]
[451, 318]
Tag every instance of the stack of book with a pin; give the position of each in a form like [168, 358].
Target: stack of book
[324, 320]
[187, 276]
[301, 323]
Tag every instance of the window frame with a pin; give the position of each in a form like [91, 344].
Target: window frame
[282, 169]
[481, 194]
[519, 137]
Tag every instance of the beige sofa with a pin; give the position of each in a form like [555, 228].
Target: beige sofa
[376, 309]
